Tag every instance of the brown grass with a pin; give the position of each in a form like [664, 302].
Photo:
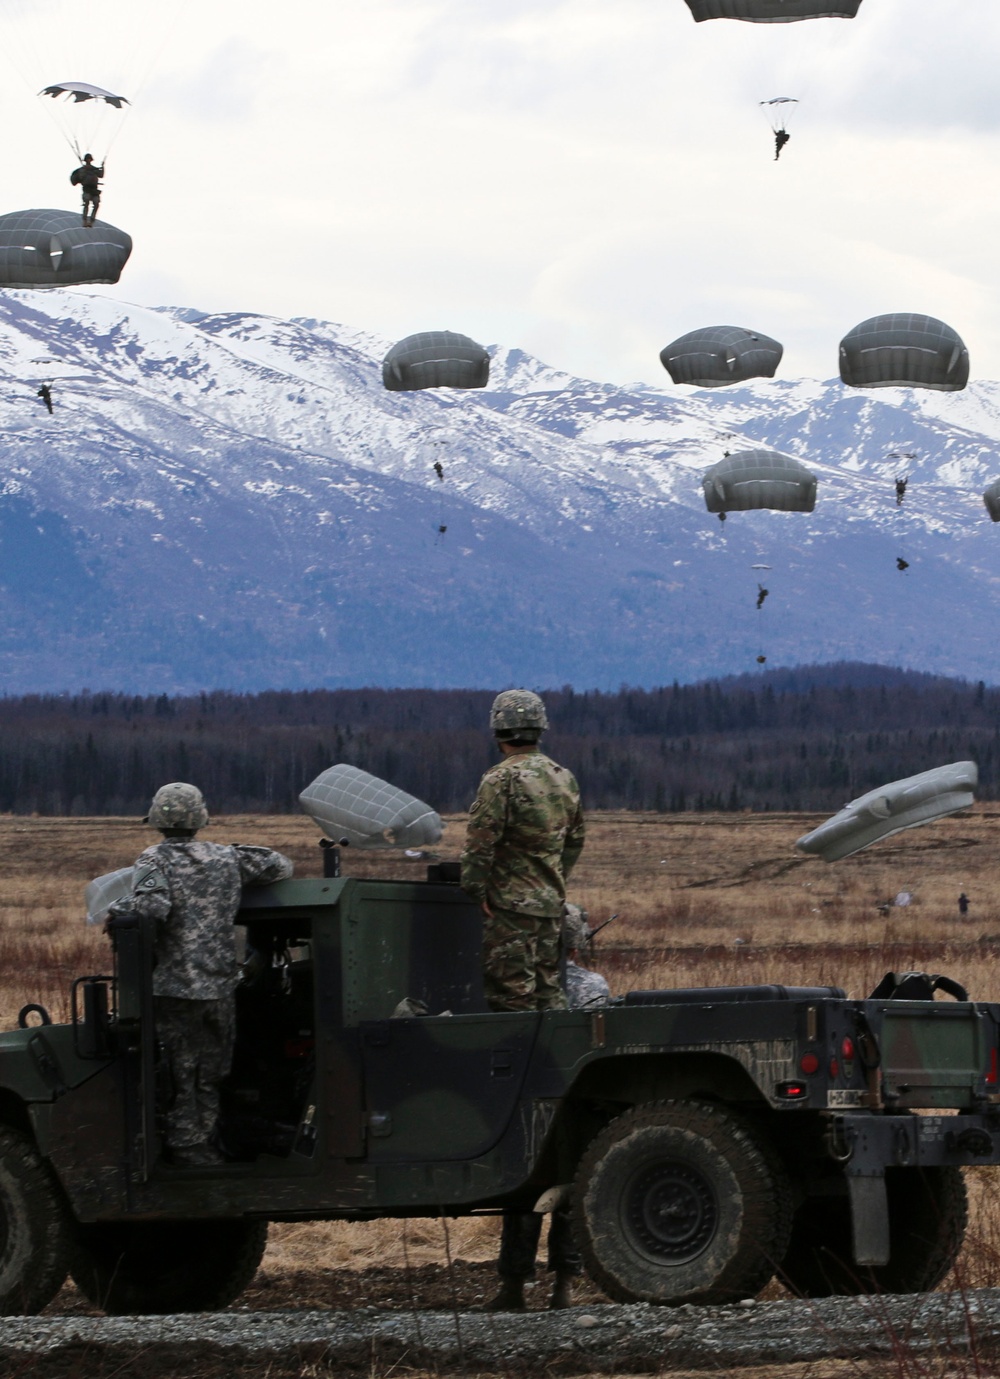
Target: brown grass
[702, 899]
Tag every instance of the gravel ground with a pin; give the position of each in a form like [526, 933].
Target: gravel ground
[581, 1340]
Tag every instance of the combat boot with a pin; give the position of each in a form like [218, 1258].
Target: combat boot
[562, 1292]
[510, 1297]
[196, 1156]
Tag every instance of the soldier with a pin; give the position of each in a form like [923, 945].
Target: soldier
[192, 890]
[584, 989]
[522, 1229]
[88, 178]
[525, 834]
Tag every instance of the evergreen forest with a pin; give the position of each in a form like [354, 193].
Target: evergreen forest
[807, 739]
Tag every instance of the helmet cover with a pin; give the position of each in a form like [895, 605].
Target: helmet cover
[575, 929]
[178, 805]
[518, 714]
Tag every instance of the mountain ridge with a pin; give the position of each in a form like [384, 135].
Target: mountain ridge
[232, 500]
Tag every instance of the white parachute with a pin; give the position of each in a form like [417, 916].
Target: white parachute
[891, 808]
[101, 893]
[346, 802]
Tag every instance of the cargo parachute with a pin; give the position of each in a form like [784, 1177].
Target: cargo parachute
[904, 349]
[773, 11]
[892, 808]
[759, 479]
[716, 355]
[346, 802]
[435, 359]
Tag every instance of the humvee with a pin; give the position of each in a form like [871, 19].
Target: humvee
[707, 1139]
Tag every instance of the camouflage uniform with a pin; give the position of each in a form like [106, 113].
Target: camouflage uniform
[583, 988]
[525, 834]
[522, 1230]
[192, 891]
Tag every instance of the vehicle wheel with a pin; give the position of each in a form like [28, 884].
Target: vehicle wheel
[34, 1229]
[928, 1212]
[680, 1202]
[153, 1267]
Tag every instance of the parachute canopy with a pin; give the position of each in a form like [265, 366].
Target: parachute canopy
[717, 355]
[53, 249]
[759, 479]
[991, 498]
[903, 349]
[773, 11]
[82, 91]
[891, 808]
[779, 110]
[348, 803]
[435, 359]
[103, 891]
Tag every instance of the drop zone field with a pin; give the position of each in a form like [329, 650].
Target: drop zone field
[702, 899]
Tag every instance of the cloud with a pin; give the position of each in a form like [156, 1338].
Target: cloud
[577, 177]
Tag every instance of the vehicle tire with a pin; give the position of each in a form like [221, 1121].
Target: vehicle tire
[153, 1267]
[928, 1213]
[34, 1229]
[680, 1202]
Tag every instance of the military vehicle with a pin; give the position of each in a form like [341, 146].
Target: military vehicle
[709, 1139]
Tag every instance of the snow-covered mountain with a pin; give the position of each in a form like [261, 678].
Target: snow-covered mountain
[235, 501]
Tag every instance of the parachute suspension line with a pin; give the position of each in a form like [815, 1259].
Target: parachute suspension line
[901, 481]
[438, 449]
[762, 594]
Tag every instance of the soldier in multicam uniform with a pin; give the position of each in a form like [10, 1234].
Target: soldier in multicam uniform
[192, 890]
[522, 1229]
[585, 990]
[525, 834]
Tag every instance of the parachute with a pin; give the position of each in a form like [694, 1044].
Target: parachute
[435, 359]
[903, 349]
[717, 355]
[101, 893]
[778, 111]
[80, 91]
[759, 479]
[891, 808]
[991, 497]
[42, 248]
[346, 802]
[772, 11]
[89, 117]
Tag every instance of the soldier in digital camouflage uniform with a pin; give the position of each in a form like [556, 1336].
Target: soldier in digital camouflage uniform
[585, 990]
[192, 890]
[525, 834]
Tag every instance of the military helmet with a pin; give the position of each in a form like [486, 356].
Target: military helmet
[518, 714]
[575, 929]
[179, 806]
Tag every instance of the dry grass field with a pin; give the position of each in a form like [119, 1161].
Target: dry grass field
[702, 900]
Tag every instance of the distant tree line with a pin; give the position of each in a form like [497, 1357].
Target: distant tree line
[802, 740]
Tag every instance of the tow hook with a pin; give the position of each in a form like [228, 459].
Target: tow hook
[838, 1141]
[974, 1141]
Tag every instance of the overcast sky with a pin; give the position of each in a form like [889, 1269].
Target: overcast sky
[586, 179]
